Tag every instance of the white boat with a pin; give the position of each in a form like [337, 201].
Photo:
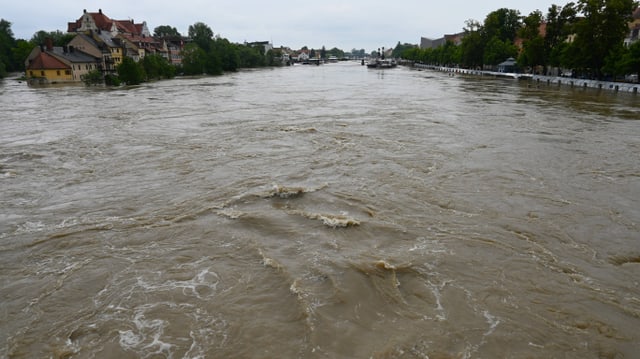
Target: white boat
[382, 64]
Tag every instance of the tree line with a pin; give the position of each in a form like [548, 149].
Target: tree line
[586, 37]
[204, 53]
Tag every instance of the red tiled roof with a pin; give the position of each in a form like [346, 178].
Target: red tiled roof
[45, 61]
[102, 21]
[148, 40]
[126, 26]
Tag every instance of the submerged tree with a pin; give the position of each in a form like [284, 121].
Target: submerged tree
[92, 78]
[130, 72]
[157, 67]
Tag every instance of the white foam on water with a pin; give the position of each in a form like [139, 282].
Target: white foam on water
[145, 339]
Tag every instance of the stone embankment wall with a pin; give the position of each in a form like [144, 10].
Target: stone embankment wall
[543, 80]
[605, 85]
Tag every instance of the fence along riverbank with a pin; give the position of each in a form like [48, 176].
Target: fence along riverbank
[540, 79]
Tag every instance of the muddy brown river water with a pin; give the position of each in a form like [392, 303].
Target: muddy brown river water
[319, 212]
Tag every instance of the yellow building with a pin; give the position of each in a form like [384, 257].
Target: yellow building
[45, 68]
[50, 65]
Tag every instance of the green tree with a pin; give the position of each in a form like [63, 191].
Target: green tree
[229, 58]
[602, 28]
[624, 60]
[250, 57]
[412, 54]
[201, 34]
[194, 60]
[533, 50]
[472, 46]
[20, 52]
[165, 30]
[92, 78]
[503, 23]
[7, 43]
[58, 37]
[399, 50]
[157, 67]
[498, 50]
[335, 52]
[213, 63]
[450, 55]
[560, 22]
[130, 72]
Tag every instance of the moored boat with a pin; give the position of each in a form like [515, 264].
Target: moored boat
[382, 64]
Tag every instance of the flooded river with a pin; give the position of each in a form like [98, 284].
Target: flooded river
[319, 212]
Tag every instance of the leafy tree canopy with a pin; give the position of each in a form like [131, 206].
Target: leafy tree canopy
[7, 42]
[58, 37]
[130, 72]
[165, 30]
[201, 34]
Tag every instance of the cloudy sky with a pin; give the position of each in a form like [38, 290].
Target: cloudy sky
[345, 24]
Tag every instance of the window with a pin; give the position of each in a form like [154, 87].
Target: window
[58, 72]
[42, 73]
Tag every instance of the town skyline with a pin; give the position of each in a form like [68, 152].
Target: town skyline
[330, 24]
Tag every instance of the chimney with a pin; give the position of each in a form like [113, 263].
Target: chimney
[71, 48]
[100, 11]
[49, 43]
[85, 11]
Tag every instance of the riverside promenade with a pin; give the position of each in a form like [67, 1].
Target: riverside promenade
[540, 80]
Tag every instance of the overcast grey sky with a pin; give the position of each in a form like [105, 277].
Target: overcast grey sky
[346, 24]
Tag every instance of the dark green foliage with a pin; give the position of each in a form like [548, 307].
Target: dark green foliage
[201, 35]
[111, 80]
[214, 55]
[472, 50]
[166, 30]
[194, 60]
[250, 57]
[157, 67]
[497, 50]
[93, 78]
[7, 43]
[503, 24]
[623, 60]
[227, 53]
[599, 31]
[400, 49]
[335, 52]
[58, 38]
[131, 72]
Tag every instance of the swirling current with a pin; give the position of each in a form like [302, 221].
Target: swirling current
[326, 211]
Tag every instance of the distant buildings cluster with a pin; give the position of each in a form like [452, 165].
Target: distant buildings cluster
[100, 44]
[456, 39]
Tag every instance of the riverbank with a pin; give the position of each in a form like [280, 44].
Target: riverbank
[541, 80]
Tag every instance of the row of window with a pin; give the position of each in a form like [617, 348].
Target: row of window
[58, 72]
[86, 67]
